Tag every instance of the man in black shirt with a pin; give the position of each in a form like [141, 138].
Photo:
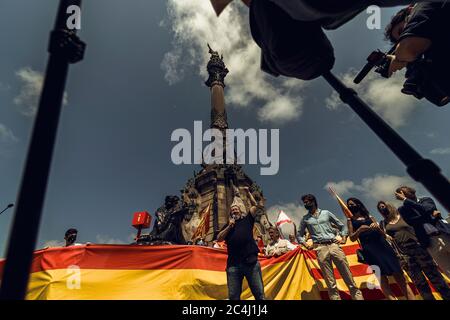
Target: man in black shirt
[420, 32]
[242, 250]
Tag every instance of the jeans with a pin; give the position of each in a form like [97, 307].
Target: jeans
[235, 276]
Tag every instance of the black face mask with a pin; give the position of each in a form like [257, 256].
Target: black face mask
[71, 238]
[384, 211]
[309, 207]
[353, 209]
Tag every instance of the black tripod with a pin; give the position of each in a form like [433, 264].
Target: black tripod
[64, 48]
[422, 170]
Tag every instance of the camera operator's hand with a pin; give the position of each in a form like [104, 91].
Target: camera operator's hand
[437, 214]
[395, 64]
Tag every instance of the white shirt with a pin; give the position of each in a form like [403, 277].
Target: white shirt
[278, 248]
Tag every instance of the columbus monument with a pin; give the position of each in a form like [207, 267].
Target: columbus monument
[206, 198]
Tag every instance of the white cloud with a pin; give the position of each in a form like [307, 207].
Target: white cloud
[53, 243]
[378, 187]
[295, 211]
[382, 187]
[440, 151]
[28, 98]
[383, 95]
[194, 24]
[6, 135]
[7, 139]
[342, 188]
[105, 239]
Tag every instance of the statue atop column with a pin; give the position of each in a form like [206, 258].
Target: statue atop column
[216, 81]
[214, 187]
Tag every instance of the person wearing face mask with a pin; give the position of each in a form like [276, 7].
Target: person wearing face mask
[419, 262]
[376, 250]
[320, 223]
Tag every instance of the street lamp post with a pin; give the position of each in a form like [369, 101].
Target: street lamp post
[420, 169]
[64, 48]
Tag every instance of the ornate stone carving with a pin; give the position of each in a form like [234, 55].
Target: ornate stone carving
[192, 201]
[219, 119]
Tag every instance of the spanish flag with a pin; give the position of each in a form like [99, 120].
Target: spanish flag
[178, 272]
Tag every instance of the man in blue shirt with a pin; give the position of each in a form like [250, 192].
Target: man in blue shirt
[321, 226]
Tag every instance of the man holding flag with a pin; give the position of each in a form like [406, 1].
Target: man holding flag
[320, 223]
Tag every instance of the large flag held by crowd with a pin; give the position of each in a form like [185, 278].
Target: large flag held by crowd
[179, 272]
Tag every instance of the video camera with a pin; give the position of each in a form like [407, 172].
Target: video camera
[419, 80]
[376, 59]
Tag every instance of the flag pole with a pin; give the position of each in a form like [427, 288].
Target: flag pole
[64, 48]
[422, 170]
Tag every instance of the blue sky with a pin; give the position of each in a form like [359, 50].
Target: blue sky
[142, 78]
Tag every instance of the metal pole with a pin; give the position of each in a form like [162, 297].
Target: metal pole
[422, 170]
[64, 48]
[7, 207]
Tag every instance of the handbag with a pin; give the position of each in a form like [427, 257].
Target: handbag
[403, 258]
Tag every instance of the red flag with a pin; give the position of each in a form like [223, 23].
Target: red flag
[341, 202]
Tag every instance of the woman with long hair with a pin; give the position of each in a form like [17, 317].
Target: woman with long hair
[376, 249]
[419, 263]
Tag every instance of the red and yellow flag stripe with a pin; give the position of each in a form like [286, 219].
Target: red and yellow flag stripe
[173, 272]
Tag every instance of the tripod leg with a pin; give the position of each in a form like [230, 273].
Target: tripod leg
[65, 48]
[422, 170]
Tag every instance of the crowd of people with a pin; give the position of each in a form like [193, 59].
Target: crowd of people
[413, 239]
